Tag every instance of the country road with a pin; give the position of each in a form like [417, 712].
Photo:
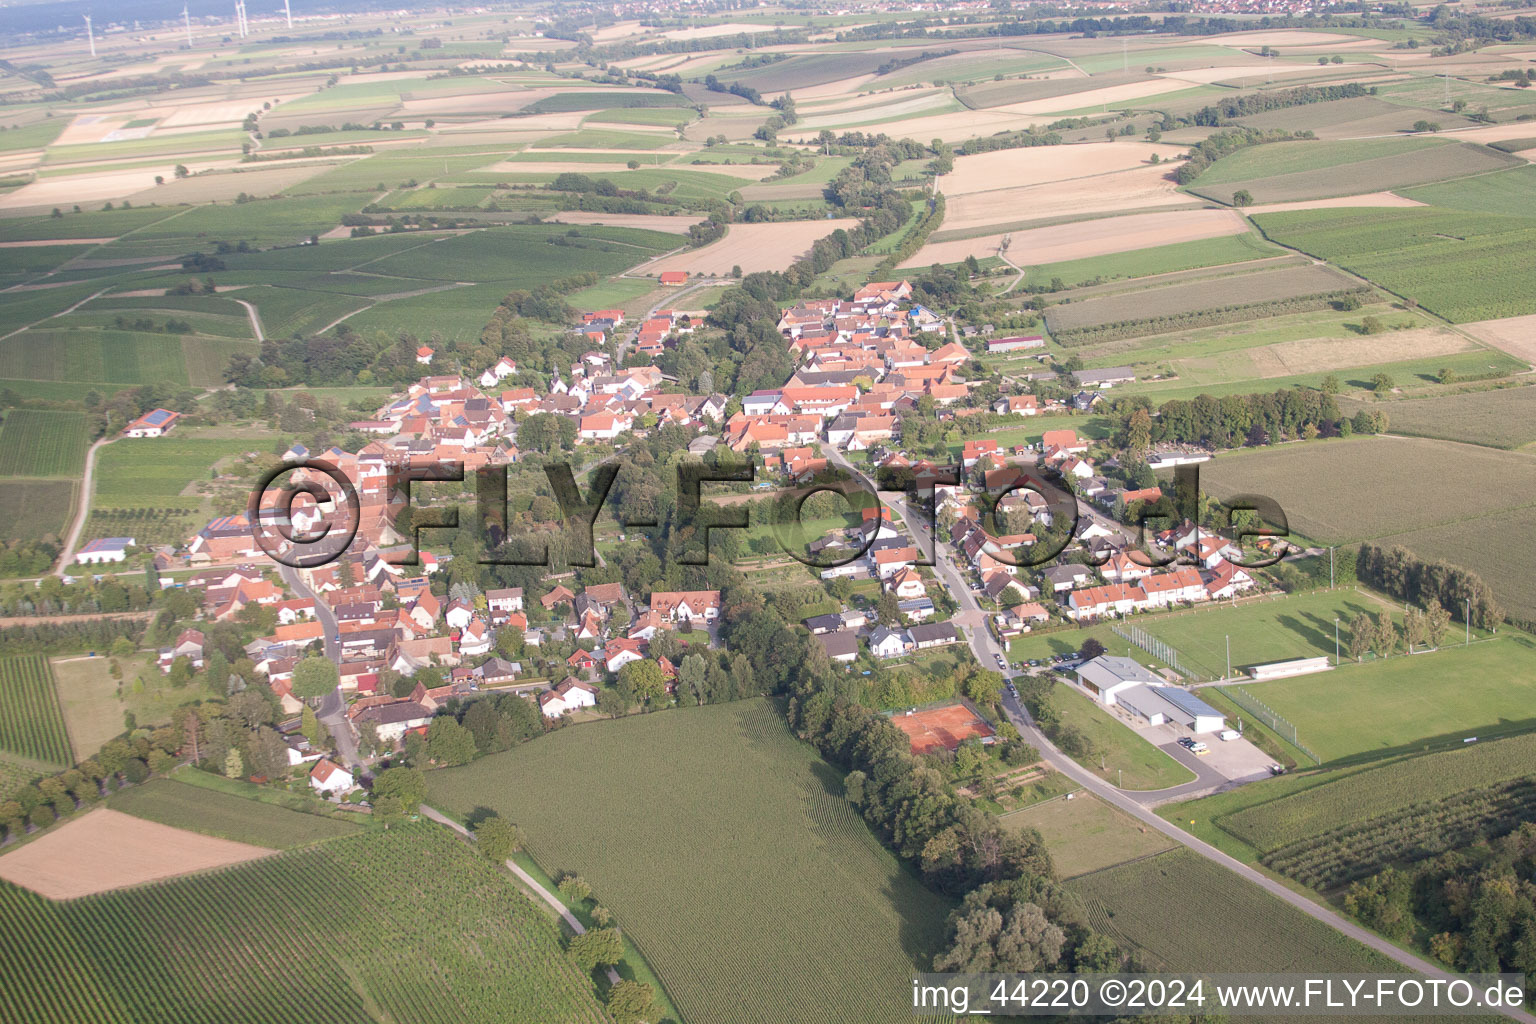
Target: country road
[987, 652]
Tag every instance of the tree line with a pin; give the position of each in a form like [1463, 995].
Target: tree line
[1397, 571]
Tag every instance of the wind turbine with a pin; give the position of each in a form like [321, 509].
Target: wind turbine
[186, 19]
[288, 13]
[90, 34]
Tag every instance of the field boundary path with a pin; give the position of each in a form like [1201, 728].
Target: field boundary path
[524, 877]
[255, 317]
[82, 505]
[985, 650]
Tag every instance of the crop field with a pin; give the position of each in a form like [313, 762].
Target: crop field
[31, 509]
[154, 468]
[1345, 177]
[1407, 702]
[1376, 792]
[1344, 490]
[1506, 193]
[1154, 305]
[43, 443]
[106, 356]
[31, 724]
[257, 944]
[1161, 259]
[1085, 834]
[1502, 418]
[1462, 266]
[1178, 911]
[225, 816]
[1362, 116]
[783, 875]
[1279, 158]
[1481, 543]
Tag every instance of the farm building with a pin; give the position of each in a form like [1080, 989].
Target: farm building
[1107, 377]
[155, 423]
[1014, 344]
[105, 549]
[674, 277]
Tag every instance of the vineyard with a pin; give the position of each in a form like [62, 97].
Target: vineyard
[42, 443]
[227, 816]
[1422, 831]
[1180, 911]
[1381, 792]
[405, 925]
[31, 723]
[729, 856]
[1462, 266]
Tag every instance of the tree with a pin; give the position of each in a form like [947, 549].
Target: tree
[1361, 636]
[1331, 384]
[1382, 382]
[1414, 628]
[1446, 375]
[182, 172]
[498, 838]
[985, 939]
[600, 947]
[449, 743]
[1426, 126]
[234, 764]
[407, 785]
[1242, 197]
[612, 703]
[888, 608]
[1436, 621]
[575, 889]
[1385, 640]
[630, 1002]
[644, 679]
[1374, 325]
[1091, 649]
[314, 677]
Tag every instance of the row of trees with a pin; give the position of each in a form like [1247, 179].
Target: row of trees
[1397, 571]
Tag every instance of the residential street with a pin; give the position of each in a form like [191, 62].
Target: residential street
[333, 707]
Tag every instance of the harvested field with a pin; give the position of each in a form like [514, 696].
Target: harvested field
[105, 850]
[1086, 239]
[1134, 189]
[1012, 168]
[1318, 355]
[67, 190]
[1238, 289]
[1515, 335]
[750, 246]
[1110, 95]
[1371, 199]
[649, 221]
[941, 728]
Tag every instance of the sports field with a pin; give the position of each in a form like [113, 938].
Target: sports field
[1362, 711]
[783, 878]
[942, 728]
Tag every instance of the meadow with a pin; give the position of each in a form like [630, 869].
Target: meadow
[42, 443]
[1460, 265]
[1360, 712]
[259, 943]
[1181, 912]
[226, 816]
[144, 486]
[783, 877]
[31, 724]
[1085, 834]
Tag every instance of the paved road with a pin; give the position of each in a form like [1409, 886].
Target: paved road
[986, 650]
[333, 706]
[255, 318]
[82, 507]
[524, 877]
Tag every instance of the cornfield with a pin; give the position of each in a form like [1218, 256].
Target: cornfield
[31, 723]
[405, 925]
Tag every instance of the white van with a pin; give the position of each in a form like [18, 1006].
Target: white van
[1230, 734]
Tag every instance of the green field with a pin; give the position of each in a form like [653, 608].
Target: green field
[783, 879]
[1511, 192]
[31, 724]
[226, 816]
[43, 443]
[403, 925]
[1085, 834]
[31, 509]
[1180, 912]
[144, 486]
[1462, 266]
[1482, 544]
[1286, 171]
[1410, 702]
[84, 355]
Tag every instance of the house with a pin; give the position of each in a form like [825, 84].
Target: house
[696, 607]
[498, 672]
[329, 777]
[674, 278]
[822, 624]
[934, 634]
[556, 596]
[505, 601]
[571, 694]
[391, 719]
[906, 584]
[458, 613]
[106, 549]
[1066, 577]
[842, 645]
[475, 640]
[155, 423]
[1164, 704]
[918, 610]
[889, 643]
[581, 660]
[1065, 440]
[424, 355]
[189, 645]
[621, 651]
[1017, 405]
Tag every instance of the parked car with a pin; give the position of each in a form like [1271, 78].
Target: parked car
[1199, 749]
[1186, 742]
[1277, 769]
